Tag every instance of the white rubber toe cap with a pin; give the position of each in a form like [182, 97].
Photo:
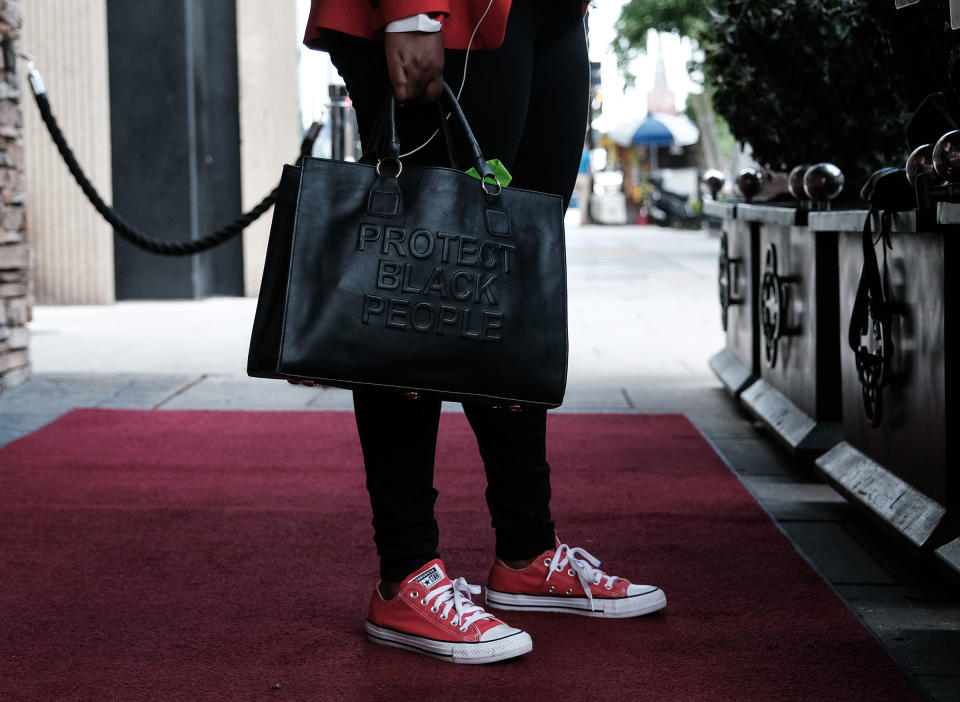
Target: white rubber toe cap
[499, 632]
[640, 589]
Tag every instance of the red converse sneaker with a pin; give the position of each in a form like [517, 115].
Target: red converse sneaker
[567, 580]
[434, 616]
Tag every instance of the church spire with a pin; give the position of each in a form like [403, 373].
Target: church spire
[661, 99]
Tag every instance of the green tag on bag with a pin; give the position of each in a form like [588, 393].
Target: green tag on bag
[499, 170]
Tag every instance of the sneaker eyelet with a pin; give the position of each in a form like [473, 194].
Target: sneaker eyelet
[546, 562]
[414, 594]
[571, 573]
[423, 602]
[434, 609]
[608, 587]
[463, 630]
[552, 588]
[443, 617]
[454, 622]
[569, 591]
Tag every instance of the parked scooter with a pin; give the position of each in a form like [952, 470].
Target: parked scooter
[670, 209]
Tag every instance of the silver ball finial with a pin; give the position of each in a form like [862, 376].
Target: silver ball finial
[823, 182]
[946, 156]
[795, 182]
[712, 180]
[749, 181]
[921, 161]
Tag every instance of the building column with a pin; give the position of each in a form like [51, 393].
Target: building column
[267, 44]
[176, 141]
[73, 245]
[169, 117]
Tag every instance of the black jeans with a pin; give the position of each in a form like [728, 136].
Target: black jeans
[527, 105]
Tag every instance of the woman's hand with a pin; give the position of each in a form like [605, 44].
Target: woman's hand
[415, 64]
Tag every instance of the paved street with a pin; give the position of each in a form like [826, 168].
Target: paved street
[644, 319]
[642, 305]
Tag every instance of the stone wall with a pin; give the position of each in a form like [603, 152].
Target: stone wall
[16, 258]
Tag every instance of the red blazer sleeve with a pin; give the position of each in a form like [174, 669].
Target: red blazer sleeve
[390, 10]
[361, 19]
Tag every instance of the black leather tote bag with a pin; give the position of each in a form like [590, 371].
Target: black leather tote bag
[420, 279]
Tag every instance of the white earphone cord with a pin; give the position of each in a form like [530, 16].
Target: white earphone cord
[463, 81]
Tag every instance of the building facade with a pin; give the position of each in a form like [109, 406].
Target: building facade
[182, 115]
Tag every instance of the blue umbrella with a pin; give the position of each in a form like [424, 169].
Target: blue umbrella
[656, 130]
[653, 132]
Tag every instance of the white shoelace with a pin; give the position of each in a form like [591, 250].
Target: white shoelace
[456, 595]
[584, 565]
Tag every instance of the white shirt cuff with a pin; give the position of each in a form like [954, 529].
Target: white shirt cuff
[417, 23]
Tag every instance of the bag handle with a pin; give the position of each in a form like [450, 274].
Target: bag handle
[387, 147]
[386, 199]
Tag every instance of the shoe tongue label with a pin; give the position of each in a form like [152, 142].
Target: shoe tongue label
[430, 577]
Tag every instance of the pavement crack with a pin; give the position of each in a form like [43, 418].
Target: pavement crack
[180, 391]
[117, 393]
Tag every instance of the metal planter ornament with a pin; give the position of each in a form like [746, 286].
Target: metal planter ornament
[822, 183]
[946, 156]
[748, 182]
[774, 305]
[795, 182]
[726, 280]
[712, 180]
[873, 359]
[920, 162]
[934, 172]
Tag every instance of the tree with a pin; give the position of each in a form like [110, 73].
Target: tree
[825, 80]
[637, 17]
[813, 80]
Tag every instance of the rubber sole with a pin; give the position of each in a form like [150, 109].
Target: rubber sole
[613, 608]
[470, 653]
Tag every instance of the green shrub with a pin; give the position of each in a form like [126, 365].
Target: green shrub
[824, 80]
[804, 81]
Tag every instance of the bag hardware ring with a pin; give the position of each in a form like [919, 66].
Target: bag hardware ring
[395, 160]
[484, 183]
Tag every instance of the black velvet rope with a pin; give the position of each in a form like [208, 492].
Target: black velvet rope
[162, 247]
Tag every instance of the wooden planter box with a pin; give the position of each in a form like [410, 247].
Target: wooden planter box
[900, 456]
[738, 363]
[797, 395]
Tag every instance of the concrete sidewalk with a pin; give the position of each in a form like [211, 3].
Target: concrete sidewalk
[644, 318]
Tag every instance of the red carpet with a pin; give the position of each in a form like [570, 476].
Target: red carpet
[212, 555]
